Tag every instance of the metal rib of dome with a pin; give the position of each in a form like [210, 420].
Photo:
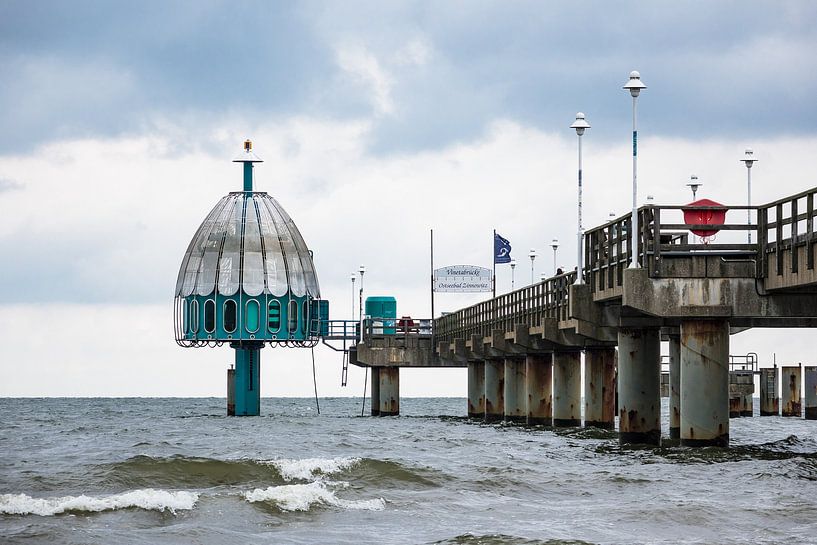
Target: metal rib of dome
[247, 241]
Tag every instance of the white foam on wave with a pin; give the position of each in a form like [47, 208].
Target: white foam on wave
[307, 468]
[300, 497]
[150, 499]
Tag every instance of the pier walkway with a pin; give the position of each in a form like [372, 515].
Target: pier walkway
[522, 348]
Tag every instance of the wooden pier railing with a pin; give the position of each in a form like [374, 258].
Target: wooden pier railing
[782, 245]
[528, 305]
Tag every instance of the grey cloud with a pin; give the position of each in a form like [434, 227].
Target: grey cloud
[103, 69]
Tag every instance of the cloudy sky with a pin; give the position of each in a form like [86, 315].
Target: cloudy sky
[377, 121]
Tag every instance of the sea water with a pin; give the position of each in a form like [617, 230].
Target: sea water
[151, 471]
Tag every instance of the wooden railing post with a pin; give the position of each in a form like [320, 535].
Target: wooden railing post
[810, 231]
[794, 235]
[779, 237]
[656, 243]
[762, 242]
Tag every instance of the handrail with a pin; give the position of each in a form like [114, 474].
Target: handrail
[528, 305]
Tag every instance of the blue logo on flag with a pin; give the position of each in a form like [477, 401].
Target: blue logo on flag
[502, 249]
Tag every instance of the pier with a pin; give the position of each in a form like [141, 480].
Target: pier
[523, 348]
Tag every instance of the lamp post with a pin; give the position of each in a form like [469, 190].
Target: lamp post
[749, 160]
[554, 244]
[513, 266]
[694, 184]
[532, 255]
[543, 277]
[580, 125]
[634, 85]
[362, 270]
[353, 295]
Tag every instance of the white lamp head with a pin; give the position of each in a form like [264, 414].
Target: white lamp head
[362, 269]
[554, 243]
[749, 158]
[580, 124]
[634, 85]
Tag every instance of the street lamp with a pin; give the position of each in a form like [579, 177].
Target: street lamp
[362, 270]
[513, 266]
[353, 295]
[554, 244]
[532, 255]
[694, 184]
[749, 160]
[580, 125]
[543, 277]
[634, 85]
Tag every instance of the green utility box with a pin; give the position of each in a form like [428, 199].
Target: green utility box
[382, 310]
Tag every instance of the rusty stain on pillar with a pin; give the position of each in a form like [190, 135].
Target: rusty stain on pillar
[567, 389]
[375, 388]
[540, 389]
[790, 387]
[476, 389]
[494, 390]
[705, 382]
[639, 385]
[769, 399]
[675, 386]
[389, 391]
[599, 387]
[810, 381]
[515, 395]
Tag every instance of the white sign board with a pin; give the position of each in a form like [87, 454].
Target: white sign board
[462, 279]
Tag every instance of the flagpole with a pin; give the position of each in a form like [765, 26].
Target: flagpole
[432, 274]
[493, 259]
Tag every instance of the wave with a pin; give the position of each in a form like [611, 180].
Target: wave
[184, 471]
[194, 472]
[501, 539]
[301, 497]
[308, 468]
[149, 499]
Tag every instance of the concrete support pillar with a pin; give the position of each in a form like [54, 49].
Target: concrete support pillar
[389, 391]
[639, 385]
[675, 386]
[769, 398]
[540, 389]
[515, 395]
[247, 380]
[231, 392]
[494, 390]
[600, 387]
[747, 382]
[567, 389]
[705, 382]
[810, 380]
[741, 387]
[790, 388]
[476, 389]
[748, 408]
[375, 388]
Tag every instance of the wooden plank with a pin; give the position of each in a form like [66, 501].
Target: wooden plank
[762, 242]
[794, 237]
[779, 238]
[810, 231]
[706, 226]
[657, 242]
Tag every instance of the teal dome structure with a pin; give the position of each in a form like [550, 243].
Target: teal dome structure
[247, 279]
